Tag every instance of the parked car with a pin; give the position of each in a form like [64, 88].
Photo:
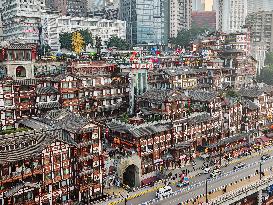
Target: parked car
[265, 157]
[207, 170]
[239, 166]
[164, 192]
[215, 173]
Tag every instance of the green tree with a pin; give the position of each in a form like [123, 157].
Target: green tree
[232, 93]
[185, 37]
[266, 75]
[43, 50]
[120, 43]
[66, 40]
[124, 117]
[269, 58]
[87, 37]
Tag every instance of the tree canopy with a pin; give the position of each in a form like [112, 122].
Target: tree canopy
[87, 37]
[185, 37]
[266, 74]
[269, 58]
[120, 43]
[77, 42]
[66, 39]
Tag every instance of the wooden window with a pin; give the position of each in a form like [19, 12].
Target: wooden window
[7, 89]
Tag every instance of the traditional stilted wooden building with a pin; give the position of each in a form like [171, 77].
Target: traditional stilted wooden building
[36, 167]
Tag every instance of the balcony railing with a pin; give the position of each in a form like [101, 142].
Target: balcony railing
[18, 175]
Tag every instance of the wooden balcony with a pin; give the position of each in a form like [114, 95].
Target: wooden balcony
[27, 202]
[18, 175]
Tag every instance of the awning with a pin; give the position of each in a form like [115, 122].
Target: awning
[182, 145]
[264, 139]
[269, 135]
[148, 180]
[158, 161]
[229, 140]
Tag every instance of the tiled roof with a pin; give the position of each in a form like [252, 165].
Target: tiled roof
[146, 129]
[69, 121]
[34, 142]
[199, 117]
[21, 46]
[184, 71]
[249, 104]
[160, 96]
[47, 90]
[202, 96]
[267, 88]
[251, 92]
[228, 140]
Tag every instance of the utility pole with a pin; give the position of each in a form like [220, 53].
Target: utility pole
[260, 170]
[207, 201]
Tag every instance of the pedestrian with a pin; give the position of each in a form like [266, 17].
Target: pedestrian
[176, 175]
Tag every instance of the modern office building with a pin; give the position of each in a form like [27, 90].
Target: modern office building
[147, 21]
[260, 25]
[198, 5]
[54, 25]
[93, 5]
[21, 20]
[180, 16]
[1, 25]
[69, 7]
[259, 5]
[204, 18]
[230, 15]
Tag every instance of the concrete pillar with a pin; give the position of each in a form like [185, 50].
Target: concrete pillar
[80, 196]
[50, 194]
[231, 61]
[260, 197]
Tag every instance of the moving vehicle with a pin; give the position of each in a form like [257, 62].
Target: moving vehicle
[164, 192]
[239, 166]
[215, 173]
[265, 157]
[183, 182]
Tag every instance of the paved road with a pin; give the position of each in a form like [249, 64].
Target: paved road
[211, 185]
[235, 176]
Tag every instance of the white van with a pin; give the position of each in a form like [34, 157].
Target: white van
[164, 192]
